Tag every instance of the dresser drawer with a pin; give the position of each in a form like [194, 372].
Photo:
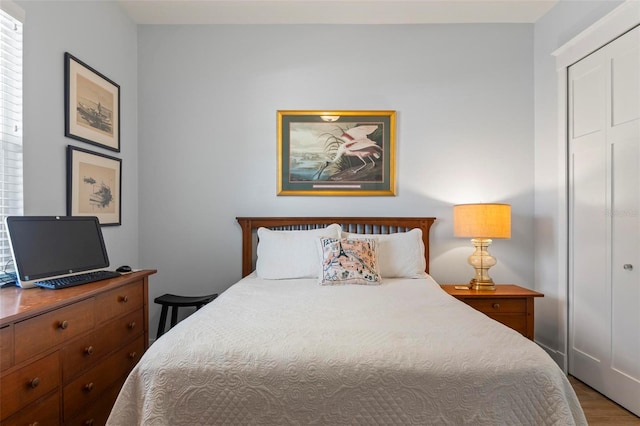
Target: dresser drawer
[119, 301]
[88, 387]
[86, 351]
[6, 347]
[98, 412]
[29, 383]
[45, 331]
[498, 305]
[45, 412]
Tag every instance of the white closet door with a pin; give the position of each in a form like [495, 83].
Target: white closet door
[624, 140]
[604, 130]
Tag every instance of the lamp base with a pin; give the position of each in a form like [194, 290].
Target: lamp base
[482, 286]
[481, 261]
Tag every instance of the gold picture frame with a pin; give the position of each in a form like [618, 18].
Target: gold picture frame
[336, 152]
[94, 185]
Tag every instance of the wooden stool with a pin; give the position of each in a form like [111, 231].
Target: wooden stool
[176, 302]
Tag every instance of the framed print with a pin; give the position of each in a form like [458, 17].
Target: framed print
[94, 185]
[92, 105]
[336, 152]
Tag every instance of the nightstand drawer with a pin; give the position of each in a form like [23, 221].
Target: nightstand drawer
[514, 321]
[489, 306]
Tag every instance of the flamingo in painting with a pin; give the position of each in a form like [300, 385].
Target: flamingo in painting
[356, 144]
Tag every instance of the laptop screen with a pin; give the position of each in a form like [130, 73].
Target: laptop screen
[51, 246]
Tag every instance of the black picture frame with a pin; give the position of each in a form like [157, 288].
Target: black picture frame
[94, 185]
[92, 105]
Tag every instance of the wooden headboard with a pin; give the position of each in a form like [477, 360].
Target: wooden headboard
[361, 225]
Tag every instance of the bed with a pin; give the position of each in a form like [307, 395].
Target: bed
[288, 345]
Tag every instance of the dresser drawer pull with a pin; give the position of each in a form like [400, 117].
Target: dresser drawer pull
[132, 355]
[124, 299]
[88, 387]
[34, 424]
[63, 325]
[89, 422]
[496, 306]
[89, 350]
[33, 383]
[131, 325]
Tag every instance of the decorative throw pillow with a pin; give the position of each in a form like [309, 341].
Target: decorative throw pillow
[400, 255]
[349, 261]
[290, 254]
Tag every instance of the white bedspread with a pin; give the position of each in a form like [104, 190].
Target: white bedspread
[293, 352]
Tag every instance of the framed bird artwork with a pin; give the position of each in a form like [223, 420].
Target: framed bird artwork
[336, 152]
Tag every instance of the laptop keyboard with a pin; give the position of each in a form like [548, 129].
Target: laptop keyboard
[73, 280]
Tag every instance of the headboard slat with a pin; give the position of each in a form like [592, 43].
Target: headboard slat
[360, 225]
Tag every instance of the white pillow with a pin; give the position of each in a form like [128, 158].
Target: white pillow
[400, 255]
[291, 254]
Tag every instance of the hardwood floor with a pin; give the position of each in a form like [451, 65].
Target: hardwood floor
[599, 410]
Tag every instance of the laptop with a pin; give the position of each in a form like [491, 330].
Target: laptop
[49, 247]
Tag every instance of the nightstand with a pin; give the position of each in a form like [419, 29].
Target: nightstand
[509, 304]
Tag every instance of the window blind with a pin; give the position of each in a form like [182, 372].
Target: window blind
[11, 196]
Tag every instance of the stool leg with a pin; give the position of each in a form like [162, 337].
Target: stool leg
[163, 320]
[174, 315]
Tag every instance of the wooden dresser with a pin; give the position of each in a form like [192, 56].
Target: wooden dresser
[509, 304]
[66, 353]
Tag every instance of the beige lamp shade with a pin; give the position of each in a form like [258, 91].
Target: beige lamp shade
[482, 220]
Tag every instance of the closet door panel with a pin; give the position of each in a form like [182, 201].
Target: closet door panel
[625, 258]
[623, 135]
[588, 168]
[625, 67]
[587, 99]
[589, 292]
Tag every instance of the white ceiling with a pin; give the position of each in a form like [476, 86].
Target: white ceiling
[334, 11]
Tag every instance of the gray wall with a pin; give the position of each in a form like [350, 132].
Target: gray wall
[101, 35]
[209, 96]
[558, 26]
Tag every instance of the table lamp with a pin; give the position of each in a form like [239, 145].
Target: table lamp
[481, 222]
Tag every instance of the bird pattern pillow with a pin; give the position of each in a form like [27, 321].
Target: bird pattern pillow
[349, 261]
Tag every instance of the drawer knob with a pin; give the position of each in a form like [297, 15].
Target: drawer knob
[89, 350]
[132, 355]
[628, 267]
[132, 324]
[88, 387]
[89, 422]
[124, 299]
[62, 325]
[34, 382]
[496, 306]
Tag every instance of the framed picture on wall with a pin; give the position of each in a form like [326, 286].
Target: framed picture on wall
[94, 185]
[92, 105]
[336, 152]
